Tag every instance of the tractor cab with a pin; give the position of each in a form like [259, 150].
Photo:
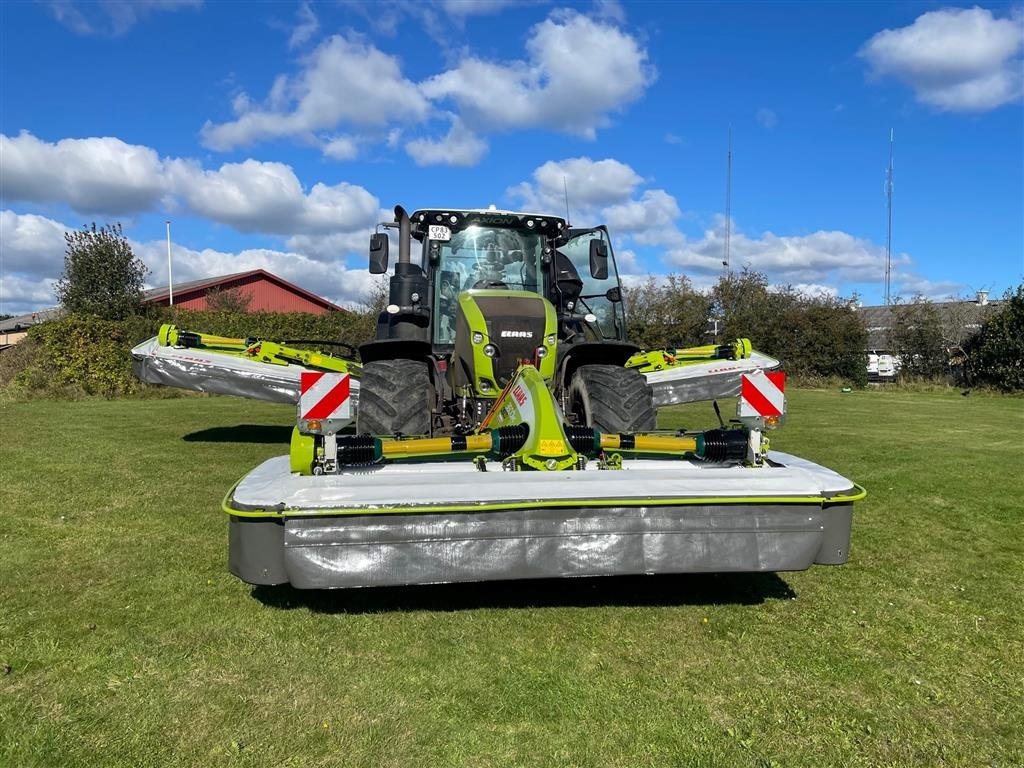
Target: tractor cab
[471, 250]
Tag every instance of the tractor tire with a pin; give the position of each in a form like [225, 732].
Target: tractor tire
[612, 399]
[394, 397]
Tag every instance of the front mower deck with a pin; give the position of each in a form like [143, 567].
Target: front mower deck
[441, 522]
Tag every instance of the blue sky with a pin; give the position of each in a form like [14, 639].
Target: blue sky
[276, 135]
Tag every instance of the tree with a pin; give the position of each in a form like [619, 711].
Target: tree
[748, 308]
[102, 276]
[230, 300]
[995, 355]
[669, 314]
[917, 338]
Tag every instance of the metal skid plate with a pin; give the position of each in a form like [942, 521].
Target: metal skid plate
[325, 532]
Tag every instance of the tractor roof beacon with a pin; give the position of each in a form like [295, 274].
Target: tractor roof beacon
[487, 290]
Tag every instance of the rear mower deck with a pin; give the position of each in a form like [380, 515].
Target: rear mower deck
[450, 522]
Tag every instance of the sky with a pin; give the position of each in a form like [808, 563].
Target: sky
[277, 135]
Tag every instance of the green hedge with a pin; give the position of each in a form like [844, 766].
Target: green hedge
[83, 355]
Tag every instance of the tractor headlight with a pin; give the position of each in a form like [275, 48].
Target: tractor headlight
[491, 351]
[550, 340]
[478, 338]
[542, 352]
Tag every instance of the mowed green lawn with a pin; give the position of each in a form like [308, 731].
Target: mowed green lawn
[124, 640]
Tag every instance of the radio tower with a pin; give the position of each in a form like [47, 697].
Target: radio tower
[728, 201]
[888, 234]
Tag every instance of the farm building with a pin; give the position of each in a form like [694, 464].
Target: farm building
[958, 320]
[257, 290]
[264, 292]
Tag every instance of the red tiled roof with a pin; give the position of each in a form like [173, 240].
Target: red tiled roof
[158, 294]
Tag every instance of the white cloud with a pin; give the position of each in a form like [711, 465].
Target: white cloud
[95, 175]
[111, 177]
[342, 148]
[908, 285]
[823, 257]
[767, 118]
[306, 26]
[462, 8]
[645, 223]
[590, 184]
[611, 10]
[813, 290]
[21, 295]
[460, 146]
[650, 219]
[110, 17]
[345, 81]
[338, 246]
[256, 196]
[30, 243]
[577, 71]
[33, 259]
[957, 59]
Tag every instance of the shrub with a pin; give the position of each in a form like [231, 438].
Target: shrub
[995, 355]
[82, 355]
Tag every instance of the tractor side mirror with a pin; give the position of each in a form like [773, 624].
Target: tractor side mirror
[599, 259]
[378, 253]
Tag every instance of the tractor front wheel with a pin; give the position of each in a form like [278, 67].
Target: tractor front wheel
[394, 397]
[612, 399]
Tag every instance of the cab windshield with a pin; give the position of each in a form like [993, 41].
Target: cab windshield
[483, 257]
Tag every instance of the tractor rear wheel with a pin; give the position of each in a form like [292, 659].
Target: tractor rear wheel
[394, 396]
[613, 399]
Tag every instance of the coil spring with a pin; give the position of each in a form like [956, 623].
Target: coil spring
[725, 445]
[353, 451]
[508, 440]
[584, 440]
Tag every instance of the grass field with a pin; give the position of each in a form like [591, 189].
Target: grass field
[124, 641]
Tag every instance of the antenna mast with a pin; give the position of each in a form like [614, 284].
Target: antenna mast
[170, 276]
[888, 234]
[565, 189]
[728, 201]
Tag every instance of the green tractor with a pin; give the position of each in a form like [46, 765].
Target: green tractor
[488, 291]
[505, 429]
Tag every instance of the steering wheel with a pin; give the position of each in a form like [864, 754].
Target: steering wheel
[489, 284]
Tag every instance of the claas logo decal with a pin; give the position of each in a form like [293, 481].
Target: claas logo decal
[519, 394]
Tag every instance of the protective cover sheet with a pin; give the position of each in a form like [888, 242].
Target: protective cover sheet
[205, 371]
[715, 380]
[542, 543]
[663, 517]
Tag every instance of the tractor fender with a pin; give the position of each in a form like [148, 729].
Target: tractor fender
[591, 353]
[394, 349]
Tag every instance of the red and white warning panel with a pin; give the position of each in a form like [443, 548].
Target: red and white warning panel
[324, 396]
[762, 395]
